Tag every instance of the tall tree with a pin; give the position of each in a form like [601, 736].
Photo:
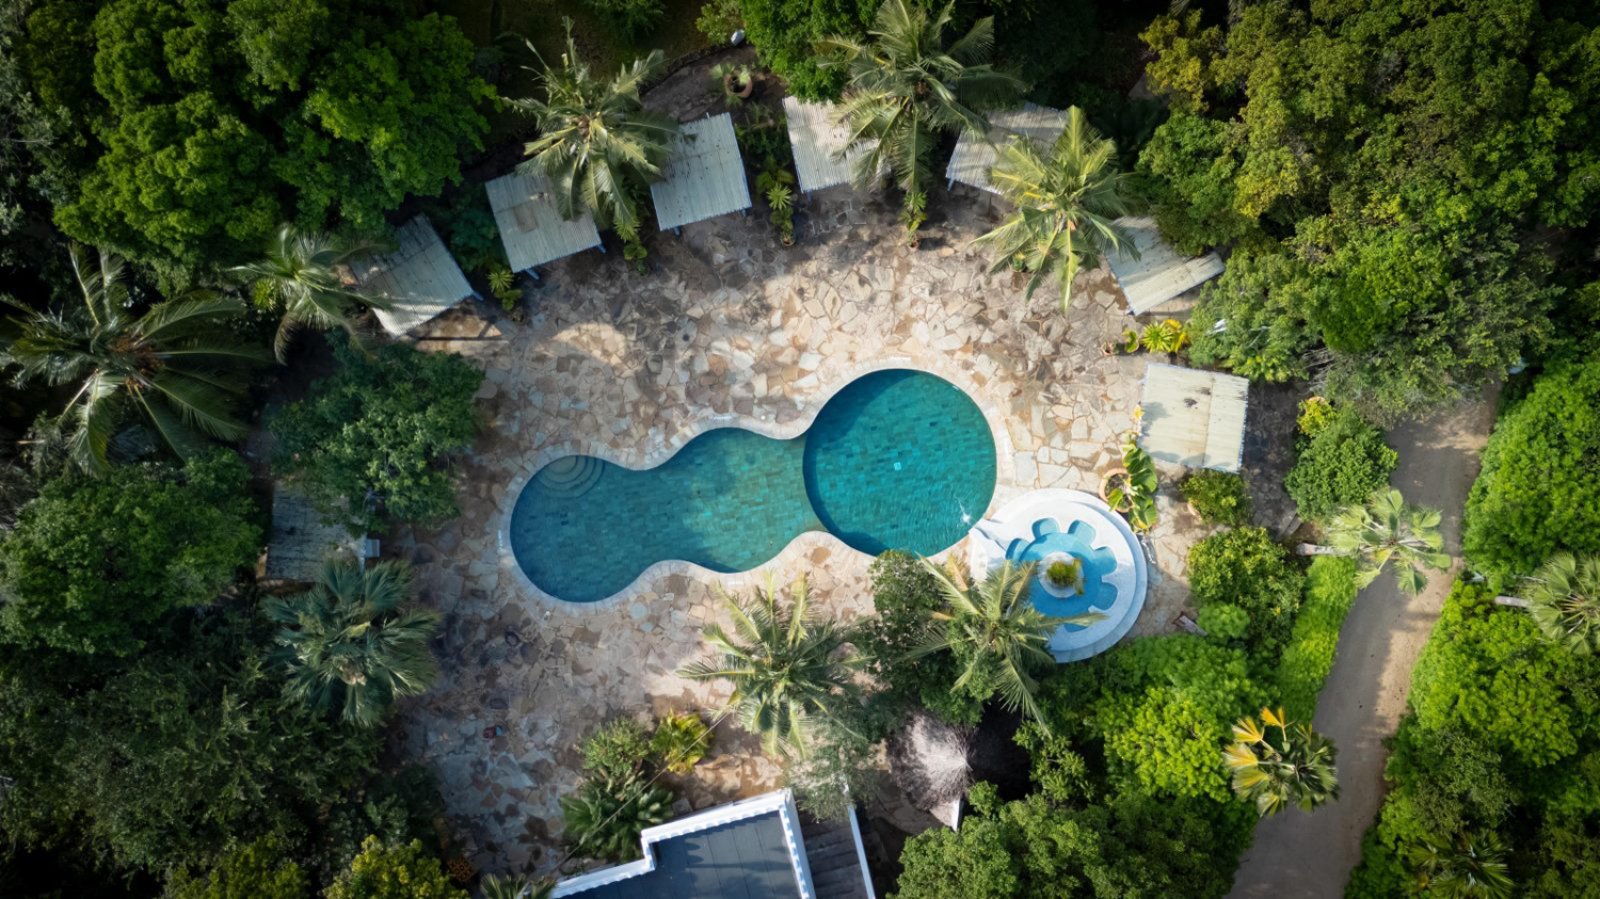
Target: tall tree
[302, 275]
[1293, 766]
[907, 86]
[597, 143]
[1468, 866]
[1385, 529]
[1564, 599]
[352, 645]
[786, 666]
[171, 365]
[1066, 206]
[995, 632]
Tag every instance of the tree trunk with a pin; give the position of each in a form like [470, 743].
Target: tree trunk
[1312, 549]
[1516, 602]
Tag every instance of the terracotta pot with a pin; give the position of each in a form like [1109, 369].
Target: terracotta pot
[1105, 485]
[744, 92]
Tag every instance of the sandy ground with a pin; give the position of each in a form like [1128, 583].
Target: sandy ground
[1310, 856]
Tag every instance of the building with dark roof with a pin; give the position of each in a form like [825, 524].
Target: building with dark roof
[755, 848]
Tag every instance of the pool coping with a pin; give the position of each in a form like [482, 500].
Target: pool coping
[1005, 478]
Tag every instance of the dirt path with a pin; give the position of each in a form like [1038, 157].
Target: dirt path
[1310, 856]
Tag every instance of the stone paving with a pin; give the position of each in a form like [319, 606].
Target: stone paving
[728, 326]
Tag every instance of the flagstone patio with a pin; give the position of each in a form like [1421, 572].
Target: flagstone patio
[727, 326]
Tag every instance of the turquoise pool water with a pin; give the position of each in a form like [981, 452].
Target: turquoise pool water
[1077, 541]
[896, 460]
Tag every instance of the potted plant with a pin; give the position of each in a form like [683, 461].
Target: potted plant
[1063, 575]
[737, 81]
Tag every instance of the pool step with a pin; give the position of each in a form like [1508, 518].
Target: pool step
[570, 476]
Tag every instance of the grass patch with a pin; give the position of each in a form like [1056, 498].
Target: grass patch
[1330, 590]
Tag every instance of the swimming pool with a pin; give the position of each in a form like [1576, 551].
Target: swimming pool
[897, 459]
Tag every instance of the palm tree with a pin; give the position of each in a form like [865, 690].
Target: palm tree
[597, 143]
[1385, 528]
[168, 365]
[1066, 205]
[1295, 766]
[1470, 866]
[515, 886]
[906, 86]
[1564, 598]
[302, 274]
[996, 632]
[352, 645]
[785, 665]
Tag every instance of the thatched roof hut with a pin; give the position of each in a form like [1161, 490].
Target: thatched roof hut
[931, 763]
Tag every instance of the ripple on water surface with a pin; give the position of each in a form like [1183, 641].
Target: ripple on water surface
[896, 460]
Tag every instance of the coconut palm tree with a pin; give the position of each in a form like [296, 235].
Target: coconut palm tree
[170, 365]
[995, 631]
[1294, 766]
[1388, 528]
[785, 666]
[1470, 866]
[597, 143]
[1066, 205]
[352, 645]
[1564, 599]
[906, 86]
[302, 273]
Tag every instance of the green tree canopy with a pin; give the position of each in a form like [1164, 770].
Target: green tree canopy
[1397, 159]
[373, 438]
[394, 872]
[211, 122]
[785, 32]
[93, 563]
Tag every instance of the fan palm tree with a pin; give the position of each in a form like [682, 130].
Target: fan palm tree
[995, 631]
[301, 273]
[1564, 599]
[1294, 766]
[1388, 528]
[785, 665]
[1470, 866]
[906, 85]
[597, 143]
[1066, 204]
[351, 644]
[170, 365]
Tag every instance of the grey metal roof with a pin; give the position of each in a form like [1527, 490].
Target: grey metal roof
[704, 176]
[420, 278]
[816, 135]
[531, 228]
[301, 541]
[1194, 418]
[1159, 274]
[974, 156]
[750, 849]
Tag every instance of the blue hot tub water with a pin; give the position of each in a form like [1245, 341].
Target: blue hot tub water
[1077, 541]
[898, 459]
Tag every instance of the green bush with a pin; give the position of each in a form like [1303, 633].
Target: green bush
[1330, 591]
[1218, 497]
[1537, 493]
[1224, 621]
[632, 19]
[381, 427]
[604, 818]
[618, 751]
[92, 563]
[1244, 567]
[262, 869]
[680, 741]
[394, 872]
[1339, 466]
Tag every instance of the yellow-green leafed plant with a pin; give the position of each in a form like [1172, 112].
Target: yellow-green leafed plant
[681, 740]
[1387, 528]
[1275, 763]
[1165, 336]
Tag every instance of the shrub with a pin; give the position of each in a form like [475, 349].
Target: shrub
[259, 870]
[380, 427]
[631, 19]
[1218, 497]
[1245, 568]
[1340, 465]
[905, 595]
[1330, 591]
[681, 740]
[1224, 621]
[1316, 414]
[604, 818]
[1537, 493]
[618, 751]
[92, 563]
[394, 872]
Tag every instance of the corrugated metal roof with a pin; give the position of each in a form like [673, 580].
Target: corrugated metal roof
[301, 542]
[420, 278]
[1159, 274]
[1194, 418]
[704, 177]
[975, 156]
[533, 232]
[816, 135]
